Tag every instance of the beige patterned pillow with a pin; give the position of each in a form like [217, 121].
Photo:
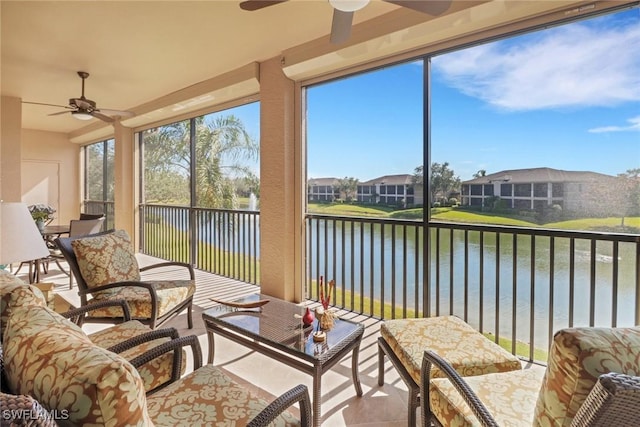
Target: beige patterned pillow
[577, 358]
[52, 360]
[15, 293]
[106, 259]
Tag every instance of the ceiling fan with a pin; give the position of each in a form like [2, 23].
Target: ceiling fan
[343, 11]
[85, 109]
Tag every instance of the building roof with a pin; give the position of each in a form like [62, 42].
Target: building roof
[402, 179]
[323, 181]
[518, 176]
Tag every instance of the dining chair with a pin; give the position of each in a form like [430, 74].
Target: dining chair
[77, 228]
[91, 216]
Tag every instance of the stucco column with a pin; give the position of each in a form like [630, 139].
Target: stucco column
[10, 149]
[125, 170]
[280, 218]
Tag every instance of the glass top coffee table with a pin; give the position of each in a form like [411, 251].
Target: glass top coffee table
[276, 330]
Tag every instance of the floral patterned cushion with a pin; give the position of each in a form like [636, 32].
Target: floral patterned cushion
[510, 397]
[208, 397]
[52, 360]
[105, 259]
[466, 349]
[577, 358]
[153, 373]
[15, 293]
[170, 293]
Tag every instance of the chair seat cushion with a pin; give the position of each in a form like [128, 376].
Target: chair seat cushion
[510, 398]
[217, 400]
[153, 373]
[52, 360]
[170, 294]
[467, 350]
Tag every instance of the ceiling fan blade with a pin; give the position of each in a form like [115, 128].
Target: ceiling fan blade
[251, 5]
[59, 112]
[102, 117]
[119, 113]
[430, 7]
[48, 105]
[341, 26]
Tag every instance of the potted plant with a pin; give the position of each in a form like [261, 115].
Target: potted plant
[42, 214]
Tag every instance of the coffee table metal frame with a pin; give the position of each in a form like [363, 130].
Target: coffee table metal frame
[293, 346]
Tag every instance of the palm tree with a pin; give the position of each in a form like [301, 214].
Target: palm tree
[348, 188]
[221, 146]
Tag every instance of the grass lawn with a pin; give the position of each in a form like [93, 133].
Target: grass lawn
[345, 209]
[631, 224]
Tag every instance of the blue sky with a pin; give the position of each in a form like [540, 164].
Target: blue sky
[567, 98]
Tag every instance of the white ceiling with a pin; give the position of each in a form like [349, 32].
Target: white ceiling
[138, 51]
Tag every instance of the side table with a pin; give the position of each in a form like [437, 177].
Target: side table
[55, 301]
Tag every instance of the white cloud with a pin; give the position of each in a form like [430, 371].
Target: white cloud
[634, 126]
[569, 66]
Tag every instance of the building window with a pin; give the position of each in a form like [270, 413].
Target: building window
[476, 190]
[522, 190]
[557, 189]
[540, 190]
[505, 190]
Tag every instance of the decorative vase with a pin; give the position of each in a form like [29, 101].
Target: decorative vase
[307, 319]
[40, 224]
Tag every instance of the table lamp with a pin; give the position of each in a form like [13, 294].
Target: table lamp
[20, 239]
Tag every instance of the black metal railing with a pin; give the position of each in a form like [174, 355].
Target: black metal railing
[220, 241]
[517, 285]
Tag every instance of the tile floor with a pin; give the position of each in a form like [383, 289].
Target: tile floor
[379, 406]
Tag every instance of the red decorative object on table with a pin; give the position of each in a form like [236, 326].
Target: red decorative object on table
[308, 317]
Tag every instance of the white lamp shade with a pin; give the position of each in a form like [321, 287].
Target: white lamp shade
[20, 239]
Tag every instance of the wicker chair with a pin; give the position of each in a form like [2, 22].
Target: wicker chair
[107, 278]
[206, 396]
[583, 385]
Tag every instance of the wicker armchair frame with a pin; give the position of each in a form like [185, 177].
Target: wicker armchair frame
[613, 401]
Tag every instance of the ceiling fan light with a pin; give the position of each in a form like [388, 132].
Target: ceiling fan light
[80, 115]
[348, 5]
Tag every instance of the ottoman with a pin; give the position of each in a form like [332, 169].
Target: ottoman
[404, 341]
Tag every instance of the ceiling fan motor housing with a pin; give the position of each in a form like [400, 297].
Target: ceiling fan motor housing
[82, 103]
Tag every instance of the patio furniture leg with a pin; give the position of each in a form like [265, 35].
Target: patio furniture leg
[317, 396]
[354, 371]
[380, 366]
[211, 346]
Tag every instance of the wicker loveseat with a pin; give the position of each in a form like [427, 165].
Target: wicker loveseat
[592, 379]
[51, 360]
[130, 338]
